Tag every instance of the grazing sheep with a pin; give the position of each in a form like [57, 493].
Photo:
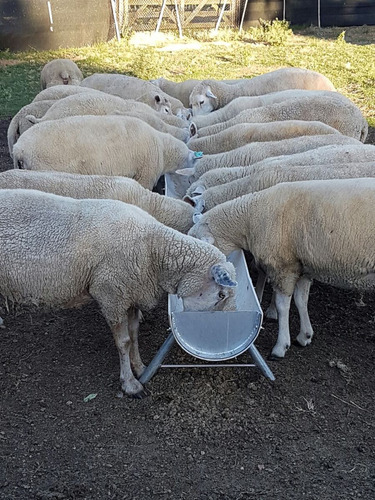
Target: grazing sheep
[106, 104]
[257, 151]
[59, 92]
[19, 123]
[338, 112]
[60, 72]
[297, 232]
[233, 108]
[209, 95]
[169, 211]
[109, 145]
[245, 133]
[130, 87]
[263, 177]
[62, 252]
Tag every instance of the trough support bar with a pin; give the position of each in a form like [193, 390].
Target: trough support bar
[157, 359]
[261, 364]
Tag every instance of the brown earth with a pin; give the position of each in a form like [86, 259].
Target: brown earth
[202, 433]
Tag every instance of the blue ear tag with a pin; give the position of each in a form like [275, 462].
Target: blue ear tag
[198, 154]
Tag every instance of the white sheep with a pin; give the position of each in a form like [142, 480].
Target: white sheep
[182, 90]
[209, 95]
[19, 123]
[109, 145]
[337, 112]
[257, 151]
[169, 211]
[244, 133]
[332, 154]
[263, 177]
[59, 92]
[100, 103]
[60, 72]
[130, 87]
[297, 232]
[61, 252]
[233, 108]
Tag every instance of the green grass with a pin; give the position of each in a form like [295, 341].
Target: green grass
[345, 56]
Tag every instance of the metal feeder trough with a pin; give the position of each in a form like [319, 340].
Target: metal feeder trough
[213, 336]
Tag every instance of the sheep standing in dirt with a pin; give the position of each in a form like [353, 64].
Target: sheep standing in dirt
[107, 145]
[257, 151]
[338, 112]
[169, 211]
[100, 103]
[19, 123]
[209, 95]
[297, 232]
[60, 72]
[61, 252]
[130, 87]
[245, 133]
[263, 177]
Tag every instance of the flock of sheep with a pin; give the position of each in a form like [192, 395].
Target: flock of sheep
[276, 165]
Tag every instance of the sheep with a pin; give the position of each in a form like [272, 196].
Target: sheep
[60, 91]
[338, 112]
[19, 123]
[110, 145]
[210, 95]
[61, 252]
[182, 90]
[245, 133]
[257, 151]
[263, 177]
[130, 87]
[248, 102]
[60, 71]
[332, 155]
[106, 104]
[169, 211]
[297, 232]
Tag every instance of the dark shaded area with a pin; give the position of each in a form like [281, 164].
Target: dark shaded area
[299, 12]
[219, 434]
[26, 24]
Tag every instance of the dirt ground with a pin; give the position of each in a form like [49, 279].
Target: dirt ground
[202, 433]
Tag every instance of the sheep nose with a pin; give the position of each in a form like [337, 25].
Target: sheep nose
[65, 81]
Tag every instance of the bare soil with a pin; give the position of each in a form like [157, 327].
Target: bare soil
[202, 433]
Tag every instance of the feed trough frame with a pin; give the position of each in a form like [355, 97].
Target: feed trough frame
[213, 336]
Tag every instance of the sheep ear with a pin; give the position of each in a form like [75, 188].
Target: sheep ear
[221, 276]
[193, 129]
[210, 94]
[32, 118]
[186, 171]
[189, 199]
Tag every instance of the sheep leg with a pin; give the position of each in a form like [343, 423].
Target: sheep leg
[301, 297]
[282, 301]
[134, 316]
[129, 384]
[271, 312]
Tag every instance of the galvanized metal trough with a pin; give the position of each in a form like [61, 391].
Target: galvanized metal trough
[213, 336]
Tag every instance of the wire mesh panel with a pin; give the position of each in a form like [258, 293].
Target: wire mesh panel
[144, 15]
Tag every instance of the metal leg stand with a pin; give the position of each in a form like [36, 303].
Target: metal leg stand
[157, 359]
[261, 364]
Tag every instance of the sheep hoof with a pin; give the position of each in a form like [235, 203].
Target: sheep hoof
[141, 394]
[273, 357]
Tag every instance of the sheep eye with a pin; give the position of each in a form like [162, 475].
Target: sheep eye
[221, 295]
[201, 103]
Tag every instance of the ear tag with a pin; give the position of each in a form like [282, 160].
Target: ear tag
[198, 154]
